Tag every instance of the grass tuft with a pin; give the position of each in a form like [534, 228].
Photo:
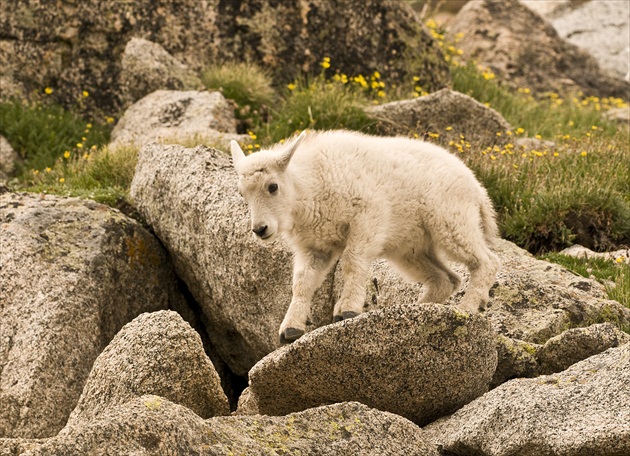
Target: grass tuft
[41, 133]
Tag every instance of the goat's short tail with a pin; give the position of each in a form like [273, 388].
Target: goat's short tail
[489, 221]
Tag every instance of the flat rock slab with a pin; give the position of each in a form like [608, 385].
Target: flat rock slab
[418, 361]
[584, 410]
[151, 425]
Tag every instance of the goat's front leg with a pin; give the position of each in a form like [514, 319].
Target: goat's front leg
[309, 271]
[354, 268]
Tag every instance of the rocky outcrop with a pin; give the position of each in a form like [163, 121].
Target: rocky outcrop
[420, 362]
[445, 115]
[177, 116]
[524, 50]
[147, 67]
[152, 425]
[157, 353]
[582, 410]
[73, 273]
[74, 47]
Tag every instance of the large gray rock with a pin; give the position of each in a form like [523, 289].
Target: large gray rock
[157, 353]
[292, 37]
[602, 28]
[73, 273]
[147, 67]
[78, 46]
[190, 199]
[438, 111]
[524, 50]
[152, 425]
[177, 116]
[418, 361]
[584, 410]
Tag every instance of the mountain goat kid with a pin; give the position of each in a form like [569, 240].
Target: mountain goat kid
[346, 195]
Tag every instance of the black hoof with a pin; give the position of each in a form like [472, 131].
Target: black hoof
[344, 316]
[290, 334]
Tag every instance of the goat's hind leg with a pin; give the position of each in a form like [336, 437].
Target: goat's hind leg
[483, 267]
[425, 266]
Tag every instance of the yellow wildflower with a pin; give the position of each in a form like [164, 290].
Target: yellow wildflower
[61, 180]
[448, 128]
[66, 154]
[520, 131]
[291, 86]
[79, 145]
[85, 94]
[48, 90]
[583, 154]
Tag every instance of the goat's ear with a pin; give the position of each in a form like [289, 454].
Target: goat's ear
[286, 155]
[237, 152]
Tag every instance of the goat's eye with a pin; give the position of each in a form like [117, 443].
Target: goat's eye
[273, 188]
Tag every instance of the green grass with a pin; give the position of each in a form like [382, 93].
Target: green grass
[320, 105]
[615, 276]
[41, 133]
[104, 175]
[548, 116]
[576, 192]
[249, 86]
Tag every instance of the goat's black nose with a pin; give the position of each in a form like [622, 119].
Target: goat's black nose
[260, 230]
